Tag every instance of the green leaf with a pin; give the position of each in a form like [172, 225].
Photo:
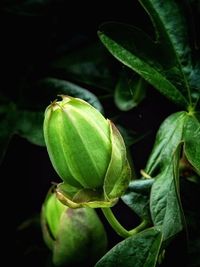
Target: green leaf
[137, 51]
[163, 164]
[30, 126]
[51, 87]
[88, 65]
[140, 250]
[180, 126]
[174, 37]
[137, 197]
[192, 141]
[171, 27]
[130, 91]
[165, 204]
[168, 137]
[172, 32]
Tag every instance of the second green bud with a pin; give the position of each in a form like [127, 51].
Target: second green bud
[75, 236]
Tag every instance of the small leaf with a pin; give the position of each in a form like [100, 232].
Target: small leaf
[140, 250]
[137, 197]
[168, 137]
[130, 91]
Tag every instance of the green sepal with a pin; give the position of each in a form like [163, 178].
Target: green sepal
[77, 198]
[118, 167]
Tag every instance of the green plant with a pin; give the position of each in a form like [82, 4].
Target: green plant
[163, 195]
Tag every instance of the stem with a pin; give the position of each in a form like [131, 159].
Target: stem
[119, 229]
[139, 228]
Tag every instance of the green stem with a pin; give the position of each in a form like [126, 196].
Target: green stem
[119, 229]
[139, 228]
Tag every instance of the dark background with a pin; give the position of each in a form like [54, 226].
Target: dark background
[32, 34]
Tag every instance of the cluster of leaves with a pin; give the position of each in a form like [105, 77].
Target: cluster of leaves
[172, 66]
[170, 63]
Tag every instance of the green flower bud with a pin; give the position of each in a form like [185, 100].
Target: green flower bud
[88, 153]
[75, 236]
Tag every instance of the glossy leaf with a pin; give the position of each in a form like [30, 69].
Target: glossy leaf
[130, 91]
[166, 16]
[172, 33]
[180, 126]
[168, 137]
[165, 204]
[163, 164]
[137, 51]
[140, 250]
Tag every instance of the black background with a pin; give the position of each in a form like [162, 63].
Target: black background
[31, 36]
